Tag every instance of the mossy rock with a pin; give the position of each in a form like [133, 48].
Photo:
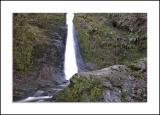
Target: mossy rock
[112, 84]
[81, 89]
[138, 68]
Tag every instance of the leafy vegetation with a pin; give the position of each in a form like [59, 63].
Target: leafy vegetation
[82, 89]
[108, 39]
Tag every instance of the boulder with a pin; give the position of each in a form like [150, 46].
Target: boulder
[116, 83]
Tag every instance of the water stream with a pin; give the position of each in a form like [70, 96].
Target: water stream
[70, 63]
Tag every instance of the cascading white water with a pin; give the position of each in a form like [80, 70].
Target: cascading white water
[70, 63]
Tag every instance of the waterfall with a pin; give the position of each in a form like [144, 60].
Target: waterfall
[73, 62]
[70, 62]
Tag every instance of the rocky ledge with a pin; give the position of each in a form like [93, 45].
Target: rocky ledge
[117, 83]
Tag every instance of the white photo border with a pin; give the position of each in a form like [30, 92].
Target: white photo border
[149, 7]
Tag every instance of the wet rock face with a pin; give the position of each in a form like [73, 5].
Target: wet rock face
[41, 67]
[51, 65]
[116, 83]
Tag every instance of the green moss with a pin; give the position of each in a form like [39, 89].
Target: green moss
[105, 45]
[137, 68]
[125, 97]
[134, 67]
[82, 89]
[30, 40]
[22, 44]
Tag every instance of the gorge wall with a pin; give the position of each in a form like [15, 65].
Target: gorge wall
[38, 52]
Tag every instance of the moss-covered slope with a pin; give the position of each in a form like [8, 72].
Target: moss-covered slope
[108, 39]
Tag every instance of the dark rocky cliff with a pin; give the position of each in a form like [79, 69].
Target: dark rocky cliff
[38, 52]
